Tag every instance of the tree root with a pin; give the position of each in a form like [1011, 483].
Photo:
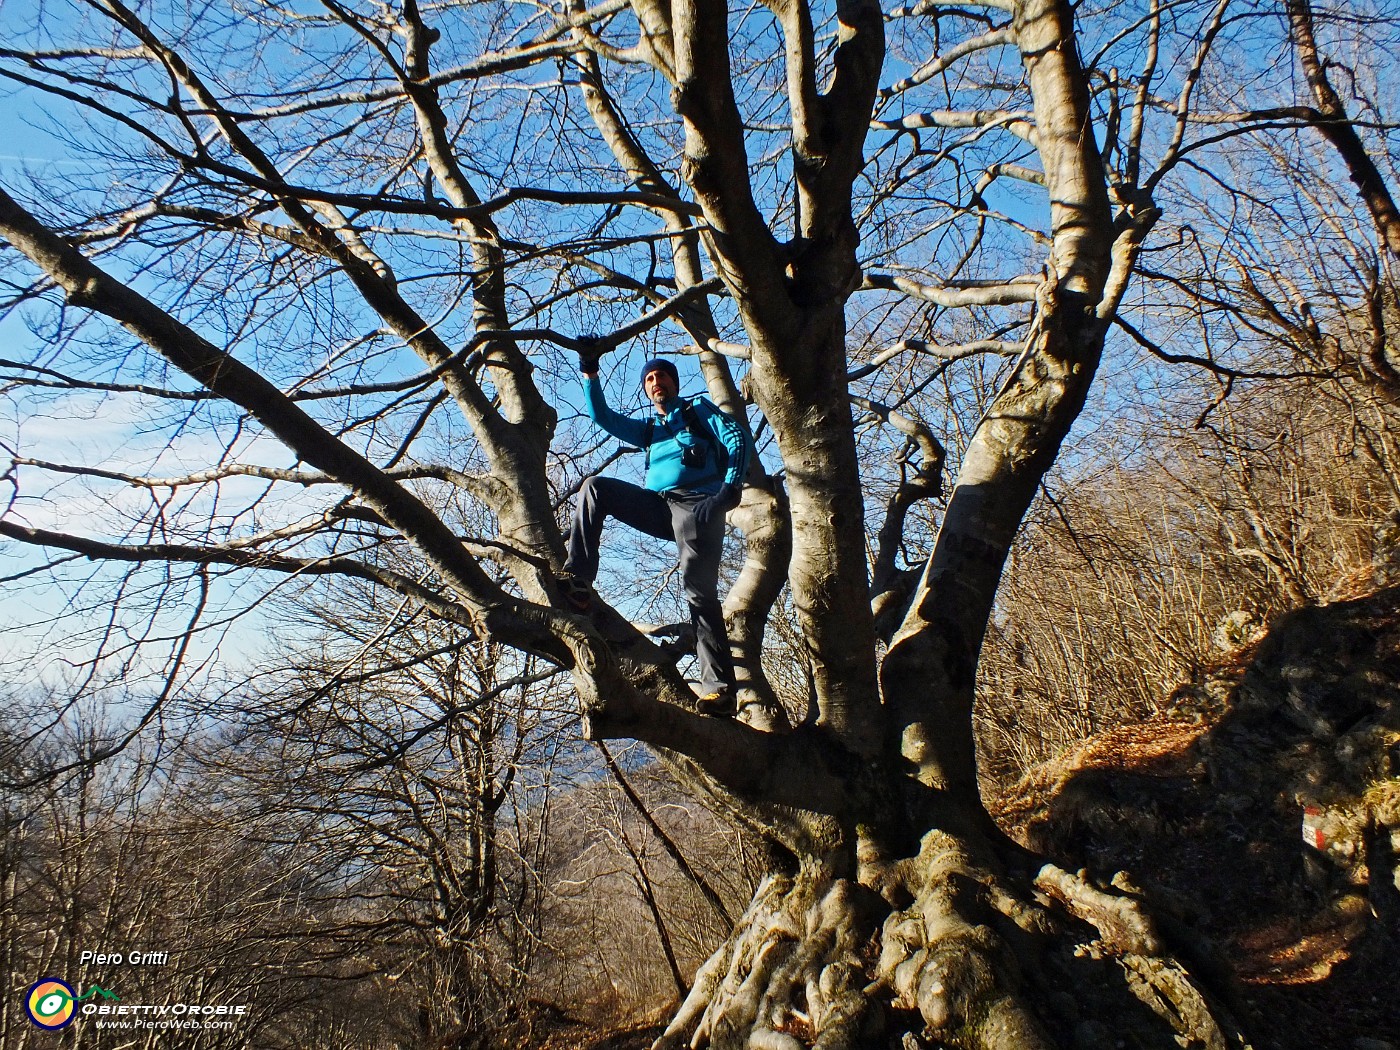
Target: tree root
[801, 968]
[1120, 919]
[1128, 935]
[791, 975]
[942, 956]
[1170, 993]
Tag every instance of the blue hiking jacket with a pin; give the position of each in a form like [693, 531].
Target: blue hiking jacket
[669, 435]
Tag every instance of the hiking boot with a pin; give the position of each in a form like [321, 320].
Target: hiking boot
[577, 594]
[720, 704]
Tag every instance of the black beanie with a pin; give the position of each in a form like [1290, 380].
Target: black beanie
[660, 364]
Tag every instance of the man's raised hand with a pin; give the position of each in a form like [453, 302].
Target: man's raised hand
[590, 349]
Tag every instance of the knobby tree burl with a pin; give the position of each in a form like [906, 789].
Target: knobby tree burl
[365, 234]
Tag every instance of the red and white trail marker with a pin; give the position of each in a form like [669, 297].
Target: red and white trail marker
[1313, 834]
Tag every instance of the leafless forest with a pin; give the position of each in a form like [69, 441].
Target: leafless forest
[1068, 338]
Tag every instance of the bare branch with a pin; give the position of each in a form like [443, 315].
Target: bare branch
[88, 286]
[1341, 132]
[251, 559]
[678, 303]
[1016, 290]
[1188, 87]
[1011, 171]
[667, 842]
[716, 160]
[954, 352]
[1019, 123]
[1000, 37]
[1209, 364]
[60, 381]
[950, 7]
[476, 485]
[931, 452]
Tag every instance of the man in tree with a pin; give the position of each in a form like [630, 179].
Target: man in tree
[695, 459]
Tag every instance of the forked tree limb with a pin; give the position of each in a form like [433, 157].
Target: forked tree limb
[1338, 129]
[930, 669]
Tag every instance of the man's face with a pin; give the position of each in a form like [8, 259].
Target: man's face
[659, 386]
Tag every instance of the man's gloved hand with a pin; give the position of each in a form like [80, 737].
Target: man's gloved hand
[590, 349]
[720, 504]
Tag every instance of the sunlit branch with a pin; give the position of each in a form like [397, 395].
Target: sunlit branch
[1188, 87]
[942, 352]
[733, 351]
[950, 7]
[116, 54]
[1016, 290]
[1000, 37]
[1341, 132]
[656, 43]
[1010, 171]
[717, 161]
[1138, 121]
[890, 586]
[931, 451]
[1017, 122]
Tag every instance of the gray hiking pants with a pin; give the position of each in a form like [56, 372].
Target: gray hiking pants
[666, 516]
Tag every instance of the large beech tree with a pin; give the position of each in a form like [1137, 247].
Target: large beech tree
[372, 232]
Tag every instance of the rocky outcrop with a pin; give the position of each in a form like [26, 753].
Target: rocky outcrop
[1261, 817]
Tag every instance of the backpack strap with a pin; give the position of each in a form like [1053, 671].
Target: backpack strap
[700, 431]
[651, 425]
